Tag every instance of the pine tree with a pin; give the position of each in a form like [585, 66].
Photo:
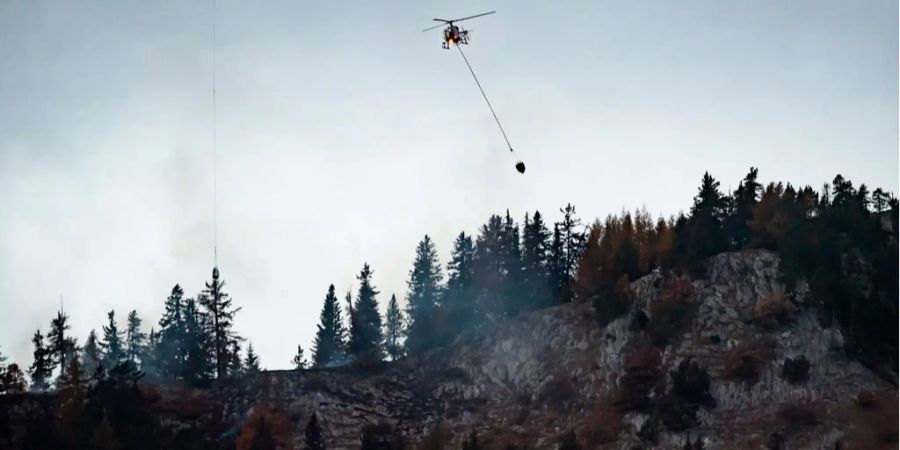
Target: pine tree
[393, 330]
[490, 272]
[42, 366]
[218, 307]
[571, 242]
[251, 363]
[329, 343]
[365, 328]
[512, 293]
[112, 344]
[299, 361]
[313, 434]
[150, 361]
[746, 196]
[12, 380]
[58, 345]
[236, 367]
[424, 286]
[461, 269]
[198, 362]
[135, 339]
[171, 350]
[556, 265]
[535, 261]
[93, 356]
[705, 234]
[456, 310]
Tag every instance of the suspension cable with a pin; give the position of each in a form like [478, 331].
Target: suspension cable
[485, 97]
[215, 148]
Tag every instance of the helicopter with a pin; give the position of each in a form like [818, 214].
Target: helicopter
[454, 35]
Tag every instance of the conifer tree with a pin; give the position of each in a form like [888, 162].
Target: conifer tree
[571, 243]
[365, 329]
[461, 269]
[135, 339]
[393, 330]
[313, 435]
[112, 343]
[198, 362]
[251, 363]
[12, 380]
[299, 361]
[171, 350]
[456, 308]
[217, 305]
[490, 272]
[93, 356]
[236, 367]
[512, 290]
[329, 343]
[746, 196]
[42, 365]
[535, 261]
[58, 345]
[424, 286]
[150, 361]
[705, 233]
[557, 274]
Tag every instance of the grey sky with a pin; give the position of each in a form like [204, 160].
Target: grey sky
[345, 134]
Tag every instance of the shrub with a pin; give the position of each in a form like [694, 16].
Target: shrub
[774, 308]
[569, 441]
[677, 290]
[795, 371]
[866, 399]
[798, 416]
[265, 425]
[557, 394]
[642, 374]
[383, 436]
[746, 362]
[690, 383]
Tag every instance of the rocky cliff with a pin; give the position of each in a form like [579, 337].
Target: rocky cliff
[776, 377]
[729, 359]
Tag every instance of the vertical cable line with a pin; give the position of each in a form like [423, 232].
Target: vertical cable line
[215, 148]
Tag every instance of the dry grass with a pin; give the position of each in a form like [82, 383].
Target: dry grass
[277, 422]
[746, 362]
[774, 308]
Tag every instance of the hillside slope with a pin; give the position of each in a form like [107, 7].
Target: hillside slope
[527, 381]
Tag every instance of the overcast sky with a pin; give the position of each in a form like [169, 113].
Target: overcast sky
[345, 134]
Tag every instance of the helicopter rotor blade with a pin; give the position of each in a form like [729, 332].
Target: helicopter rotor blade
[441, 20]
[431, 28]
[472, 17]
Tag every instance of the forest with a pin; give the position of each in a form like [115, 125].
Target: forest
[839, 240]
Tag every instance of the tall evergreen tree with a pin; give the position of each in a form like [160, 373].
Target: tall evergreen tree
[512, 293]
[461, 269]
[393, 330]
[365, 328]
[299, 361]
[313, 435]
[198, 363]
[705, 233]
[572, 240]
[58, 345]
[490, 271]
[93, 356]
[746, 196]
[329, 343]
[135, 339]
[424, 285]
[236, 367]
[535, 261]
[42, 365]
[112, 343]
[251, 363]
[220, 312]
[171, 349]
[556, 265]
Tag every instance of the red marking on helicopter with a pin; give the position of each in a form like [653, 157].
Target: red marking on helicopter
[454, 35]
